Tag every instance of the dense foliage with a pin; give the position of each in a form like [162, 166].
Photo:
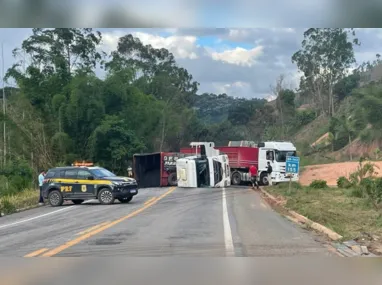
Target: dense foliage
[61, 111]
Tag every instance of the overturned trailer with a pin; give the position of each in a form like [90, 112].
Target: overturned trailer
[156, 169]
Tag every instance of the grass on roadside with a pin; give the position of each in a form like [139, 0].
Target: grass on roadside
[335, 208]
[11, 203]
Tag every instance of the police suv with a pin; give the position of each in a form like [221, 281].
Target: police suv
[84, 183]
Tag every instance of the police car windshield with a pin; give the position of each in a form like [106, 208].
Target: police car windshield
[101, 172]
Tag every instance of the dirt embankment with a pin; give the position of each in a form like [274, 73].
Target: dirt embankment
[331, 172]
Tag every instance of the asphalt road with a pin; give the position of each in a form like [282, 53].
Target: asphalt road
[160, 222]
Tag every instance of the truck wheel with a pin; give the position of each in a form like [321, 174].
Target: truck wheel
[236, 178]
[264, 179]
[55, 198]
[105, 196]
[172, 179]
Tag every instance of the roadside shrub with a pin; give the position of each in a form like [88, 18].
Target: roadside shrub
[7, 206]
[318, 184]
[15, 177]
[10, 203]
[340, 142]
[356, 193]
[296, 185]
[364, 170]
[343, 182]
[354, 178]
[304, 117]
[372, 187]
[366, 136]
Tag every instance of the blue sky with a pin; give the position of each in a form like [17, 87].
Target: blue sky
[239, 62]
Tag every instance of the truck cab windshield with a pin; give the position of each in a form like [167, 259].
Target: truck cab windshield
[218, 171]
[202, 170]
[281, 156]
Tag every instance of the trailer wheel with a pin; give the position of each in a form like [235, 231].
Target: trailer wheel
[236, 178]
[172, 179]
[264, 178]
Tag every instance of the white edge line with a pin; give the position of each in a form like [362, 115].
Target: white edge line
[227, 228]
[34, 218]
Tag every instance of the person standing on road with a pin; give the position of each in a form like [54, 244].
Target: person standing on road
[129, 172]
[269, 171]
[41, 178]
[253, 174]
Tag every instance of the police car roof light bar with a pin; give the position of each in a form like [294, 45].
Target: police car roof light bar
[83, 163]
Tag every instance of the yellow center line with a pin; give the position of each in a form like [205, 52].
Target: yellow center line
[103, 228]
[37, 252]
[92, 228]
[150, 200]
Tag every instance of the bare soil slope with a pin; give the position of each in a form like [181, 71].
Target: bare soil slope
[331, 172]
[312, 131]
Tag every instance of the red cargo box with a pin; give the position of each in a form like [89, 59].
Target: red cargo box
[155, 169]
[240, 156]
[190, 151]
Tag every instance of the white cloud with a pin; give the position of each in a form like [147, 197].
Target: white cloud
[110, 40]
[287, 30]
[171, 30]
[270, 97]
[238, 34]
[235, 89]
[239, 56]
[180, 46]
[280, 61]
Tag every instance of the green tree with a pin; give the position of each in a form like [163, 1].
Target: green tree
[112, 144]
[343, 127]
[324, 59]
[84, 110]
[156, 73]
[346, 85]
[241, 112]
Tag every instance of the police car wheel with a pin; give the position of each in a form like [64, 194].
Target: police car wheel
[105, 196]
[125, 200]
[55, 198]
[77, 202]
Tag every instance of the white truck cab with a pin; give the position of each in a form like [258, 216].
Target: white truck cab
[275, 152]
[207, 169]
